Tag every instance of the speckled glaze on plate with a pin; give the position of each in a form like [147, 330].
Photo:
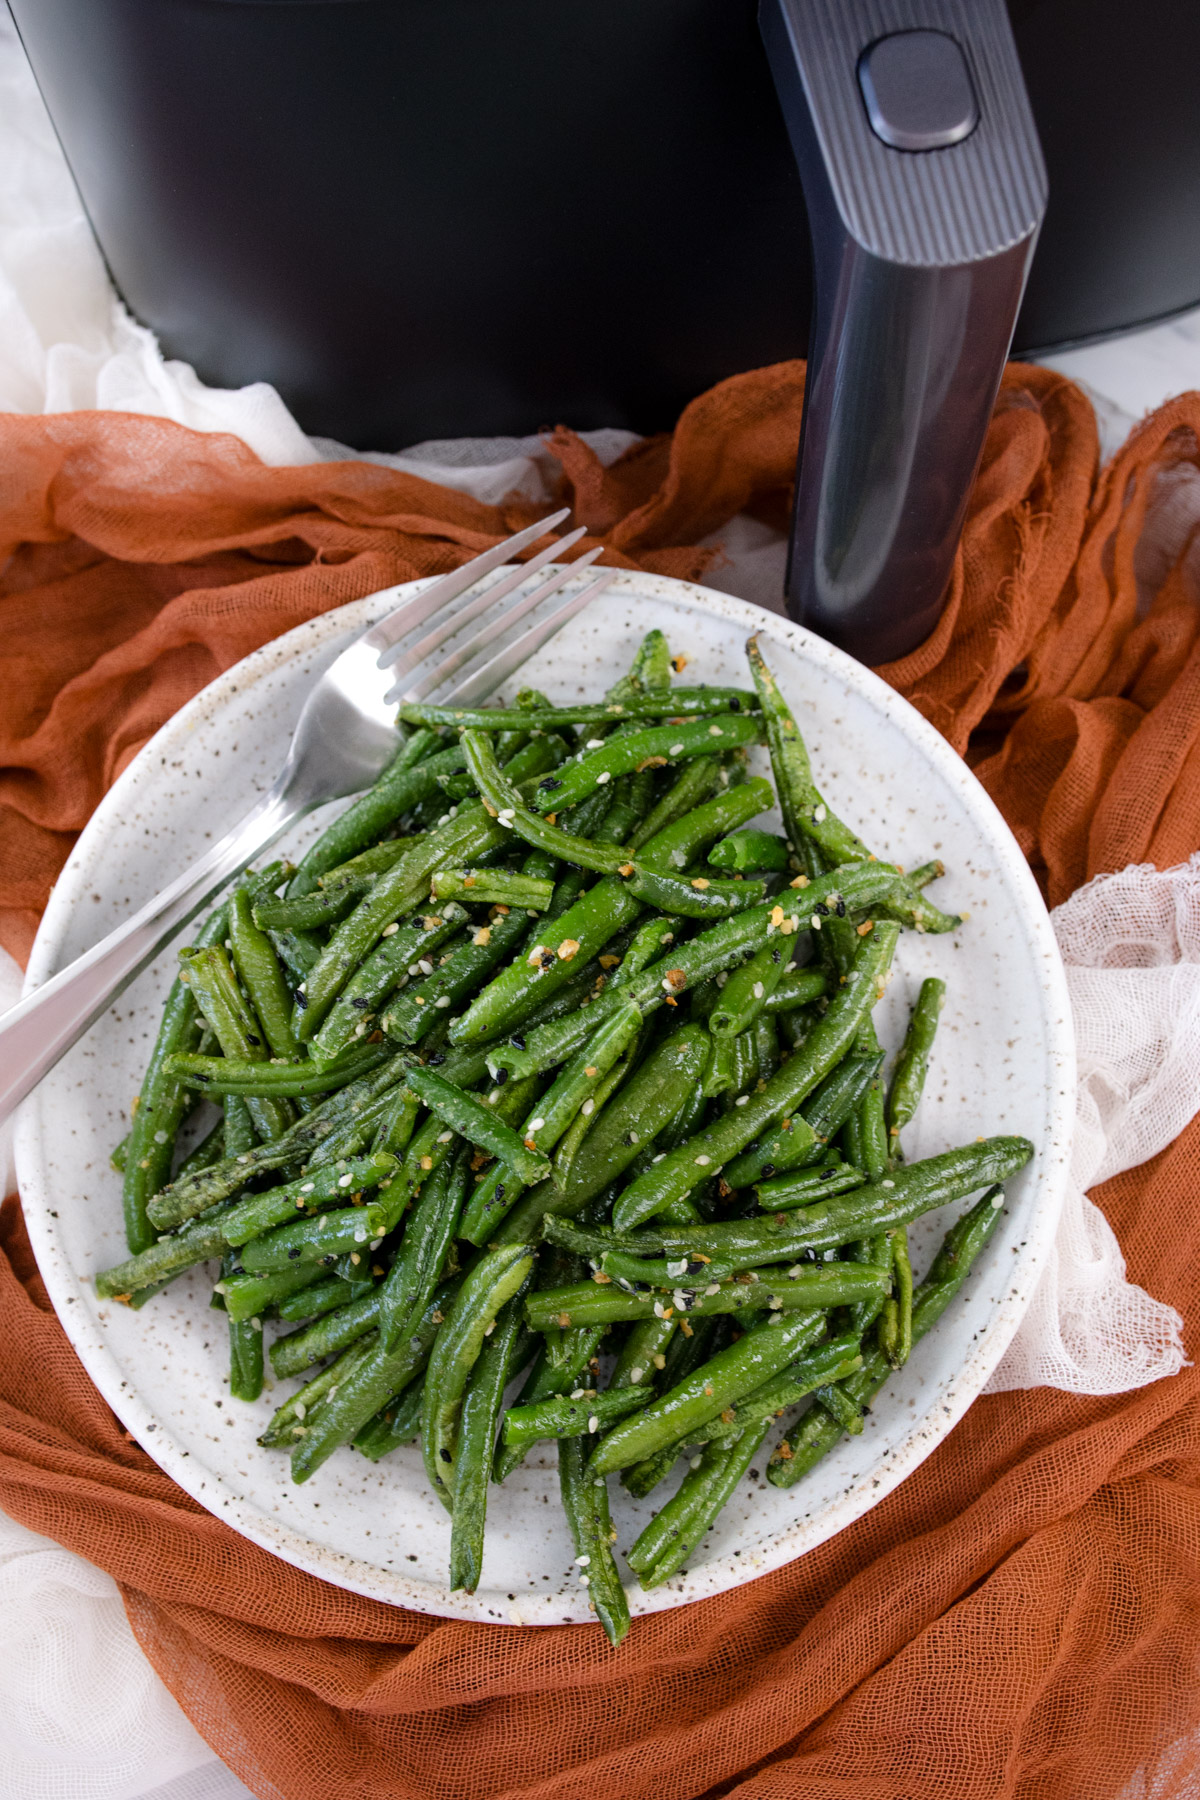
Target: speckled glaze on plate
[1004, 1063]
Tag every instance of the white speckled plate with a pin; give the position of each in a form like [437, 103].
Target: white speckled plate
[1004, 1063]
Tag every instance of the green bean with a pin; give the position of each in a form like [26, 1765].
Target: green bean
[207, 972]
[572, 1142]
[640, 1110]
[585, 1503]
[817, 1432]
[564, 1415]
[281, 1428]
[222, 1075]
[315, 1293]
[801, 1288]
[395, 1129]
[702, 702]
[572, 938]
[262, 976]
[684, 1355]
[494, 1278]
[820, 1118]
[797, 987]
[299, 951]
[497, 887]
[900, 1198]
[684, 967]
[481, 1408]
[162, 1103]
[693, 785]
[336, 893]
[648, 943]
[623, 753]
[245, 1358]
[804, 1188]
[679, 1527]
[249, 1296]
[692, 897]
[748, 851]
[397, 1424]
[423, 1251]
[322, 1238]
[370, 1384]
[411, 1015]
[555, 1370]
[477, 1123]
[573, 1095]
[209, 1150]
[249, 1218]
[748, 990]
[394, 959]
[720, 1142]
[718, 1383]
[463, 839]
[895, 1321]
[196, 1243]
[829, 1362]
[724, 1068]
[195, 1193]
[805, 813]
[327, 1335]
[643, 1351]
[676, 846]
[912, 1065]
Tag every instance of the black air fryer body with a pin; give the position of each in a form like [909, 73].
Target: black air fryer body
[446, 217]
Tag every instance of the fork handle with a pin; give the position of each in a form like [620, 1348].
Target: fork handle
[41, 1028]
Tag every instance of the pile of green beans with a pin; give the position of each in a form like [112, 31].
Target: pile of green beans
[547, 1066]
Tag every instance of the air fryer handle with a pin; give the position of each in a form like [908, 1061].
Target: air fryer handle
[925, 189]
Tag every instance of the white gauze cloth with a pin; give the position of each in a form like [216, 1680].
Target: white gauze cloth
[1131, 945]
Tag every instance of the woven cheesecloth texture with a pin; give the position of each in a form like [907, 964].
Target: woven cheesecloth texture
[1131, 945]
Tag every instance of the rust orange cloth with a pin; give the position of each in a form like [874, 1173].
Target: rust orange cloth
[1022, 1617]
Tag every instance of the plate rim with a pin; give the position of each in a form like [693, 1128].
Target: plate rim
[725, 1572]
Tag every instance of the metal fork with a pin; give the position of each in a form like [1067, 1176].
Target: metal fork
[343, 740]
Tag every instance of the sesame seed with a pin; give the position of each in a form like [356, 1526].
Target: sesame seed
[603, 777]
[536, 1124]
[442, 1000]
[345, 1180]
[390, 930]
[820, 814]
[445, 1137]
[593, 1423]
[758, 990]
[742, 1100]
[887, 1184]
[588, 1108]
[675, 750]
[635, 1375]
[715, 731]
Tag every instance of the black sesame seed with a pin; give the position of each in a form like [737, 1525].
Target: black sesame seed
[294, 1254]
[445, 1455]
[439, 1056]
[501, 1077]
[768, 1168]
[517, 1041]
[551, 782]
[361, 1005]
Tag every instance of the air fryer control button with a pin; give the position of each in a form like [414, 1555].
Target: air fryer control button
[917, 90]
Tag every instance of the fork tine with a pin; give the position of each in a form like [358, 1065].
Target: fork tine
[419, 607]
[493, 628]
[490, 597]
[477, 684]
